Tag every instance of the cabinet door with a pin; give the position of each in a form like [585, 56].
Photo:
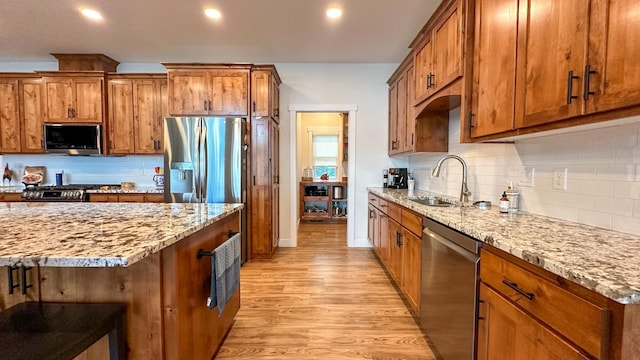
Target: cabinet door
[9, 116]
[103, 197]
[401, 127]
[121, 139]
[58, 99]
[494, 67]
[447, 49]
[613, 55]
[229, 92]
[260, 93]
[147, 121]
[383, 233]
[88, 100]
[371, 227]
[188, 92]
[552, 46]
[260, 208]
[393, 119]
[412, 265]
[164, 107]
[395, 250]
[274, 138]
[274, 102]
[423, 69]
[31, 109]
[410, 118]
[505, 332]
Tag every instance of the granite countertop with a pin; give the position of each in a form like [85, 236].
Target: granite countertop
[601, 260]
[136, 190]
[97, 234]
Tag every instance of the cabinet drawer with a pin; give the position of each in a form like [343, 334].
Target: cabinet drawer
[393, 211]
[582, 322]
[412, 222]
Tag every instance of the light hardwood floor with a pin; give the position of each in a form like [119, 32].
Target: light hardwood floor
[321, 300]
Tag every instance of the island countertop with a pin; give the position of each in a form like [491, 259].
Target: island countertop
[601, 260]
[97, 234]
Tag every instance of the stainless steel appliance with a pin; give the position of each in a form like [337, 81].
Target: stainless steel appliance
[449, 304]
[398, 178]
[205, 162]
[64, 193]
[74, 139]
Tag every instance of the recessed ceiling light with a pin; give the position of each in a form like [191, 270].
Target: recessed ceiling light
[334, 13]
[213, 13]
[92, 14]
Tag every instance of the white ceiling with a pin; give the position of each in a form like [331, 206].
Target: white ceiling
[257, 31]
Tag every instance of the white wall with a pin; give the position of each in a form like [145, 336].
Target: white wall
[603, 167]
[360, 84]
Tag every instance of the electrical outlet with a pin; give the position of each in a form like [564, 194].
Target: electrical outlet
[559, 179]
[526, 177]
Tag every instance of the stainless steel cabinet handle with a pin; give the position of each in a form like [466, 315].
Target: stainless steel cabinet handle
[204, 105]
[515, 287]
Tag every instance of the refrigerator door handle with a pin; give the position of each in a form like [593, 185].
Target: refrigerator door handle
[205, 167]
[197, 164]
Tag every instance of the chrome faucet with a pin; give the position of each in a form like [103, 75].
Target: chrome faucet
[464, 191]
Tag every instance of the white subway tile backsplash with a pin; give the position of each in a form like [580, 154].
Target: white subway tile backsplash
[603, 173]
[614, 206]
[91, 169]
[595, 218]
[616, 172]
[626, 190]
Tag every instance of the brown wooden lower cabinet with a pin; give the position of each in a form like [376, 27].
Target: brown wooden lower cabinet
[11, 197]
[526, 312]
[135, 198]
[506, 332]
[398, 245]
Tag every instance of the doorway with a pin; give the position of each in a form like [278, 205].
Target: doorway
[346, 168]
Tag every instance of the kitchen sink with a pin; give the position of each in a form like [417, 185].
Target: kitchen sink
[433, 201]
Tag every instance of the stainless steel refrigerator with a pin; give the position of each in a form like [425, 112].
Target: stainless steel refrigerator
[205, 162]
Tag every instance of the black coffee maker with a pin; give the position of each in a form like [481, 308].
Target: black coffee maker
[398, 178]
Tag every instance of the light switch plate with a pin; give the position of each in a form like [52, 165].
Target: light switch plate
[559, 179]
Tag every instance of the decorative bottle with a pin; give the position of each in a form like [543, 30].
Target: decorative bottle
[504, 203]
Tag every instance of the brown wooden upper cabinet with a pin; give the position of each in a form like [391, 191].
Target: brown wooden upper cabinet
[200, 89]
[20, 114]
[401, 129]
[73, 97]
[541, 62]
[265, 91]
[137, 107]
[438, 51]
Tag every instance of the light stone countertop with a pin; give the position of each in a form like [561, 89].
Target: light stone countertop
[605, 261]
[136, 190]
[97, 234]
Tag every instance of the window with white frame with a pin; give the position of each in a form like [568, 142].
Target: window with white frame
[325, 155]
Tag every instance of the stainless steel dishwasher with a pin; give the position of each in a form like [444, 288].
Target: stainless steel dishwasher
[449, 305]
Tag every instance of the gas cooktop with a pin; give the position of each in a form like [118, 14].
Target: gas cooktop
[71, 192]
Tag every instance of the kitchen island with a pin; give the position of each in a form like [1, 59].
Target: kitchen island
[141, 255]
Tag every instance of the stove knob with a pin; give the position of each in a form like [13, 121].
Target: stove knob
[77, 195]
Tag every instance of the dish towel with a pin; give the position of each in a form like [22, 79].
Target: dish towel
[225, 273]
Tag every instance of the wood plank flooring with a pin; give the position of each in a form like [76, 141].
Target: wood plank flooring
[322, 300]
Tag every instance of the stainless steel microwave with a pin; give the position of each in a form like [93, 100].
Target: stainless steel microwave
[74, 139]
